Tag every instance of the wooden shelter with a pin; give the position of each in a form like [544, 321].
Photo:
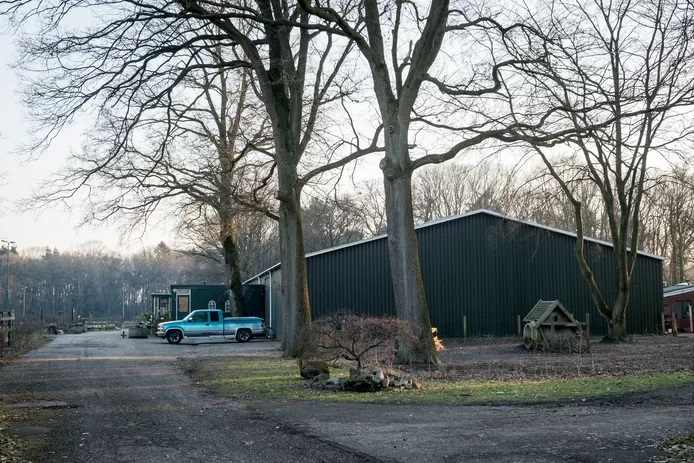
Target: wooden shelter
[550, 326]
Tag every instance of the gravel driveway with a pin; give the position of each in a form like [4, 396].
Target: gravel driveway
[128, 400]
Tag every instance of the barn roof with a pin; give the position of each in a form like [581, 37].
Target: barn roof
[450, 219]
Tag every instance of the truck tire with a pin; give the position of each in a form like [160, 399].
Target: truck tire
[174, 336]
[244, 335]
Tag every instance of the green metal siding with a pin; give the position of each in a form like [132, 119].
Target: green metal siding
[200, 296]
[354, 279]
[487, 268]
[273, 300]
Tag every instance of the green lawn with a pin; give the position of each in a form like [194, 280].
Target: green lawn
[265, 379]
[679, 450]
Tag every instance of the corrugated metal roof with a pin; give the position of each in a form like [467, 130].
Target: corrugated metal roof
[678, 289]
[267, 270]
[449, 219]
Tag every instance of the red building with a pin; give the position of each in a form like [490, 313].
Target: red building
[678, 301]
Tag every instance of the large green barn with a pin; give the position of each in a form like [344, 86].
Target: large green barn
[481, 266]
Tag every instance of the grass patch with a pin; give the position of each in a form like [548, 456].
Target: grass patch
[14, 449]
[25, 338]
[679, 449]
[278, 379]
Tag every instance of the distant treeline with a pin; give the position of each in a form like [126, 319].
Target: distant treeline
[94, 283]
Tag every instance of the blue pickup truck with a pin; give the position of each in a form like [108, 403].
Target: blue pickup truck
[207, 323]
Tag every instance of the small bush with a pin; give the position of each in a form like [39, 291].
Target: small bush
[26, 336]
[363, 340]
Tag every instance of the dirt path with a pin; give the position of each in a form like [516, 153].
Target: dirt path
[128, 400]
[628, 431]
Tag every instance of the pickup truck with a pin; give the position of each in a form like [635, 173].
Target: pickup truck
[207, 323]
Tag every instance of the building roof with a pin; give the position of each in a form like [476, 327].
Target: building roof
[197, 286]
[681, 288]
[450, 219]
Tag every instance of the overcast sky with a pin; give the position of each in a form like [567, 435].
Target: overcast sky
[58, 226]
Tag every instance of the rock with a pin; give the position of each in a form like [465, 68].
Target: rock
[360, 384]
[335, 384]
[407, 382]
[369, 382]
[393, 374]
[324, 383]
[310, 370]
[77, 329]
[138, 333]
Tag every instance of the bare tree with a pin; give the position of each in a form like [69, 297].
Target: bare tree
[257, 241]
[539, 198]
[133, 56]
[621, 74]
[445, 190]
[330, 222]
[369, 208]
[193, 156]
[416, 90]
[671, 220]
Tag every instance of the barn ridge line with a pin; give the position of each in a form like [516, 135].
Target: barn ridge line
[450, 219]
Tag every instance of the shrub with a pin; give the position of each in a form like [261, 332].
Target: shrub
[363, 340]
[26, 335]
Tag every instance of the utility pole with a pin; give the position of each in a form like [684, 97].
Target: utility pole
[7, 292]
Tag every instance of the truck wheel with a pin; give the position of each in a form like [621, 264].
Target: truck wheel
[174, 336]
[244, 335]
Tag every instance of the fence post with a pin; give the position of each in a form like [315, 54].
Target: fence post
[518, 326]
[10, 324]
[588, 326]
[465, 326]
[662, 322]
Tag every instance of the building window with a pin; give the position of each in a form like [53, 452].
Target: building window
[212, 305]
[227, 305]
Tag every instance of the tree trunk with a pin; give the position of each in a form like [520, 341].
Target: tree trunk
[232, 265]
[403, 249]
[617, 322]
[617, 330]
[296, 308]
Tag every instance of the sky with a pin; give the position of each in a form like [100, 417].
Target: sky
[57, 227]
